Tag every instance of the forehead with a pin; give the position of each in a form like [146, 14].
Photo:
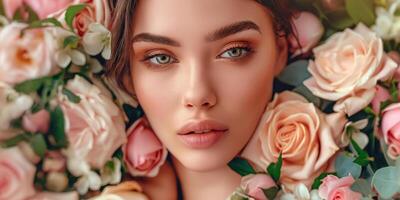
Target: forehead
[196, 17]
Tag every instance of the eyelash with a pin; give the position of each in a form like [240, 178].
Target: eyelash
[243, 47]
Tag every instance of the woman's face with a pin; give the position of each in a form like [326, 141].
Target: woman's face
[204, 60]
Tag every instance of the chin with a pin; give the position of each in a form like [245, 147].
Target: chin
[202, 161]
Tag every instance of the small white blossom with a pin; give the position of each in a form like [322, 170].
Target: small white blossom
[111, 176]
[65, 55]
[97, 40]
[387, 24]
[358, 136]
[90, 181]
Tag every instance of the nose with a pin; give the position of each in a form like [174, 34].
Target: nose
[199, 93]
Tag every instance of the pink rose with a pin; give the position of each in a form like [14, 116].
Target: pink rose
[42, 7]
[55, 196]
[307, 138]
[26, 57]
[95, 126]
[143, 153]
[308, 29]
[381, 95]
[347, 67]
[333, 188]
[95, 11]
[390, 129]
[35, 122]
[16, 175]
[253, 185]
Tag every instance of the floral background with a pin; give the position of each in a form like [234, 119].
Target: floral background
[332, 130]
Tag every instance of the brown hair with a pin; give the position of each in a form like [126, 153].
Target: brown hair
[121, 28]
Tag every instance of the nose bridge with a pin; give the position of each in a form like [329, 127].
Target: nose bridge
[198, 90]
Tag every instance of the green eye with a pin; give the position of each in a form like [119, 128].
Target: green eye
[236, 52]
[161, 59]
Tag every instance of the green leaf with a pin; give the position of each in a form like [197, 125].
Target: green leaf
[344, 166]
[241, 166]
[32, 16]
[342, 23]
[71, 12]
[318, 181]
[295, 73]
[57, 124]
[271, 192]
[361, 11]
[71, 96]
[15, 140]
[274, 169]
[2, 12]
[45, 22]
[38, 145]
[30, 86]
[394, 91]
[386, 182]
[362, 156]
[71, 41]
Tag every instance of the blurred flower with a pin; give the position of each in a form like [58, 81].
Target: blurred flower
[128, 190]
[41, 7]
[333, 5]
[333, 188]
[391, 129]
[307, 138]
[253, 184]
[143, 153]
[347, 67]
[301, 193]
[308, 32]
[94, 126]
[95, 11]
[97, 40]
[56, 181]
[111, 174]
[12, 105]
[36, 122]
[387, 24]
[16, 175]
[55, 196]
[24, 57]
[88, 181]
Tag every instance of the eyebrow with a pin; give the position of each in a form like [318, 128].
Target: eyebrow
[216, 35]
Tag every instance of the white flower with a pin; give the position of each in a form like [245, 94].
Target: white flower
[90, 181]
[387, 24]
[65, 55]
[300, 193]
[358, 136]
[97, 40]
[12, 105]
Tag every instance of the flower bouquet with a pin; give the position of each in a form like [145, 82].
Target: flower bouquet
[332, 129]
[66, 130]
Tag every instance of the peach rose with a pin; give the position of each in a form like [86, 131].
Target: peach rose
[35, 122]
[381, 95]
[95, 11]
[307, 138]
[347, 67]
[390, 129]
[253, 185]
[308, 29]
[55, 196]
[333, 188]
[16, 175]
[143, 153]
[94, 126]
[26, 57]
[124, 191]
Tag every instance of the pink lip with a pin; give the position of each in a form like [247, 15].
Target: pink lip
[201, 140]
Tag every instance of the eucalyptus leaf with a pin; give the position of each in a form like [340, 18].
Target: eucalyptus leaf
[362, 186]
[386, 181]
[71, 12]
[38, 145]
[241, 166]
[361, 11]
[295, 73]
[306, 93]
[345, 166]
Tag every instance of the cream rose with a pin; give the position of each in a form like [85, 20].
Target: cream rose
[25, 57]
[306, 137]
[16, 175]
[347, 67]
[124, 191]
[95, 126]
